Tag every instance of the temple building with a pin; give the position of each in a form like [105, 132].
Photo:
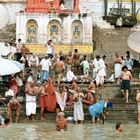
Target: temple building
[59, 20]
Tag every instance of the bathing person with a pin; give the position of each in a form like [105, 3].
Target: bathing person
[119, 128]
[6, 123]
[61, 122]
[97, 109]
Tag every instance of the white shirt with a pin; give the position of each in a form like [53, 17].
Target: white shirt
[70, 76]
[33, 61]
[49, 49]
[10, 92]
[45, 63]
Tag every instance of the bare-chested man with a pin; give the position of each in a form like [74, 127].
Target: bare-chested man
[138, 103]
[88, 98]
[125, 86]
[12, 106]
[43, 93]
[69, 61]
[61, 122]
[76, 59]
[31, 92]
[59, 69]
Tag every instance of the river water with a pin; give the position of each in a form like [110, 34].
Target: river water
[47, 131]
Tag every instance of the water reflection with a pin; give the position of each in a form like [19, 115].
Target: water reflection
[46, 131]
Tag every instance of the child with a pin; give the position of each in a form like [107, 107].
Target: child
[61, 122]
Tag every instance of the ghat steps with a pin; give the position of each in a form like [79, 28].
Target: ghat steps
[119, 112]
[109, 41]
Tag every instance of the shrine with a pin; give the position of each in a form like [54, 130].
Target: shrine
[58, 20]
[49, 6]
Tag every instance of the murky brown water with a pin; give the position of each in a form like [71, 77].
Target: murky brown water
[46, 131]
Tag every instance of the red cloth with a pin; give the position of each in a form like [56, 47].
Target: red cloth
[51, 98]
[43, 101]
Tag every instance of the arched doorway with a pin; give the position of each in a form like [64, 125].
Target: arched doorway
[54, 30]
[77, 32]
[31, 31]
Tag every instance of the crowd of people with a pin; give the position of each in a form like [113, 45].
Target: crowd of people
[52, 82]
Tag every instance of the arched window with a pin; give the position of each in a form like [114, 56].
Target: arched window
[77, 32]
[32, 31]
[54, 30]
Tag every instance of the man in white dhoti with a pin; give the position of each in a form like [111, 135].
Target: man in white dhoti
[118, 67]
[101, 72]
[61, 98]
[31, 92]
[78, 106]
[95, 65]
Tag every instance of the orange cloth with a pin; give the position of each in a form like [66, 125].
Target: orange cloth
[51, 98]
[43, 102]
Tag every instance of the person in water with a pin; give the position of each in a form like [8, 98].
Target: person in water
[61, 122]
[119, 128]
[6, 123]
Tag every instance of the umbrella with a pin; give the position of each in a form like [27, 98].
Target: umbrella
[4, 50]
[133, 41]
[19, 65]
[7, 67]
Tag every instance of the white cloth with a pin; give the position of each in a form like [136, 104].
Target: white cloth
[30, 105]
[13, 49]
[70, 76]
[118, 70]
[45, 63]
[102, 67]
[30, 79]
[62, 103]
[10, 92]
[78, 110]
[101, 72]
[33, 61]
[96, 65]
[19, 81]
[119, 21]
[49, 49]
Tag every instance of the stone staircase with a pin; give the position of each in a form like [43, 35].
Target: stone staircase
[119, 112]
[101, 23]
[109, 41]
[8, 33]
